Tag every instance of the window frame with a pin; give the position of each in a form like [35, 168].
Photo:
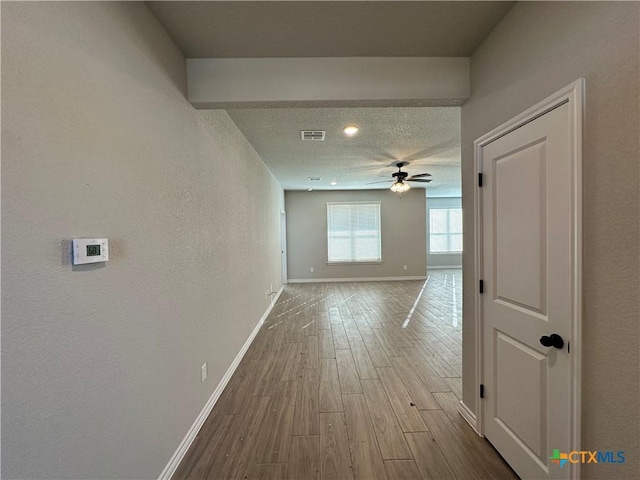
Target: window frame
[448, 234]
[375, 203]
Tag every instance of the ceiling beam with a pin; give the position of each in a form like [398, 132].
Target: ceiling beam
[327, 82]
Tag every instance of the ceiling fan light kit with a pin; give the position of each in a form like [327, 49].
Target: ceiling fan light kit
[400, 187]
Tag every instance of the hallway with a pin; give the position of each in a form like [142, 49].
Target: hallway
[349, 381]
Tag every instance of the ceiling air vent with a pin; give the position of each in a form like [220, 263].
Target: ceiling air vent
[314, 179]
[315, 135]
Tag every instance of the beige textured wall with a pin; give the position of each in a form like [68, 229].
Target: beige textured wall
[537, 49]
[403, 225]
[101, 364]
[224, 82]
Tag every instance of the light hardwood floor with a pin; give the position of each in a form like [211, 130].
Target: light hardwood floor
[349, 381]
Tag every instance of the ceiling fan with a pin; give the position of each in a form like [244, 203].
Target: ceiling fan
[400, 178]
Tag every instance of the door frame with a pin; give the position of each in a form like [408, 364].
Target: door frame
[283, 246]
[572, 94]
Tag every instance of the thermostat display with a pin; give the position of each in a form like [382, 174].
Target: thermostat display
[90, 250]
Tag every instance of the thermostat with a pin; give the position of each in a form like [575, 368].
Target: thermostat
[90, 250]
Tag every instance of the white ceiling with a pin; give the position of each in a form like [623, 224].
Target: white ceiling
[429, 137]
[253, 29]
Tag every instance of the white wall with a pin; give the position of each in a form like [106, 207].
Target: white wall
[402, 223]
[536, 50]
[101, 364]
[435, 260]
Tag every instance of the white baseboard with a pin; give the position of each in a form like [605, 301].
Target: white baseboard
[354, 279]
[469, 416]
[179, 454]
[443, 267]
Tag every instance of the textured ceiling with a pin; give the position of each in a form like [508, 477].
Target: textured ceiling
[327, 28]
[428, 138]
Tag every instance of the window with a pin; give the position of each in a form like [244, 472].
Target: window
[353, 232]
[445, 230]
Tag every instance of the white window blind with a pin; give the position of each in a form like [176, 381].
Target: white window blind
[445, 230]
[353, 231]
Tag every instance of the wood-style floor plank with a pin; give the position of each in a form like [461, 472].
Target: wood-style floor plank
[349, 380]
[362, 359]
[311, 327]
[457, 367]
[465, 462]
[292, 361]
[435, 361]
[326, 344]
[456, 386]
[303, 461]
[240, 388]
[364, 328]
[267, 376]
[478, 447]
[402, 469]
[274, 440]
[243, 446]
[201, 456]
[429, 458]
[402, 404]
[353, 334]
[335, 458]
[340, 339]
[274, 471]
[345, 312]
[376, 352]
[385, 424]
[449, 404]
[305, 419]
[388, 343]
[323, 323]
[418, 391]
[420, 366]
[365, 455]
[330, 394]
[311, 353]
[451, 444]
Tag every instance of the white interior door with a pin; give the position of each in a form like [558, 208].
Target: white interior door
[528, 235]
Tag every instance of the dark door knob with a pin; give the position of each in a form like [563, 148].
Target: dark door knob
[553, 340]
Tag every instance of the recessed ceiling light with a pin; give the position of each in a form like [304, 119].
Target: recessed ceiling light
[350, 130]
[309, 189]
[333, 183]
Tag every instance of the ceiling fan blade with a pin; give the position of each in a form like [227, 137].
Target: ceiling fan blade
[383, 181]
[423, 180]
[420, 175]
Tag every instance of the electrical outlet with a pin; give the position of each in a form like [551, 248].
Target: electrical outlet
[203, 372]
[311, 269]
[405, 267]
